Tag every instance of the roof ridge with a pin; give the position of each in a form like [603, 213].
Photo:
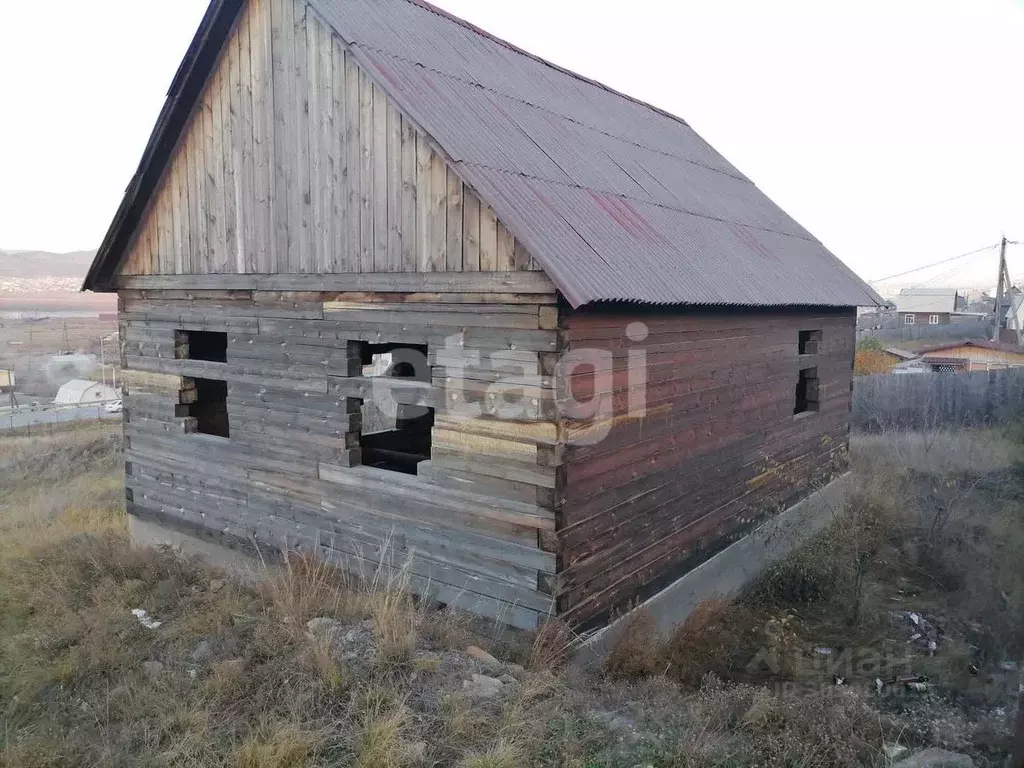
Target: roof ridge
[427, 6]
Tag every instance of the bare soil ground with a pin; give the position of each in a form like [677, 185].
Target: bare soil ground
[312, 669]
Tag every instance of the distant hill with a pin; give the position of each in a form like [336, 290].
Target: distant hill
[35, 264]
[43, 282]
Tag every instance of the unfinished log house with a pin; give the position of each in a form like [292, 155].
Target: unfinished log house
[387, 282]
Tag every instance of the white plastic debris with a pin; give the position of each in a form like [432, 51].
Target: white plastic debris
[915, 618]
[823, 651]
[145, 619]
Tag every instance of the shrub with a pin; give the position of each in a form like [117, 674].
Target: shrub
[718, 637]
[636, 652]
[808, 575]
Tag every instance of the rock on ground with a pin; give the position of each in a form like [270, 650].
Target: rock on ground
[323, 630]
[482, 656]
[936, 758]
[482, 687]
[203, 651]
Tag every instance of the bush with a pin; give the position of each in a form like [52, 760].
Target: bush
[636, 652]
[718, 637]
[809, 575]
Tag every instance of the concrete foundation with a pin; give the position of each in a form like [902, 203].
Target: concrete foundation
[730, 570]
[149, 534]
[723, 575]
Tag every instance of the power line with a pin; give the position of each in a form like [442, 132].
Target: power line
[937, 263]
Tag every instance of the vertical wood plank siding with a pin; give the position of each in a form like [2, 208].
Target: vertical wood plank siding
[718, 448]
[471, 525]
[295, 162]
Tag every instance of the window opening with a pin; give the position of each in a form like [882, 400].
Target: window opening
[210, 409]
[807, 391]
[201, 345]
[808, 341]
[395, 436]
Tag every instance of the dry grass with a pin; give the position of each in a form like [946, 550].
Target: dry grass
[635, 652]
[552, 645]
[380, 741]
[74, 689]
[394, 622]
[275, 745]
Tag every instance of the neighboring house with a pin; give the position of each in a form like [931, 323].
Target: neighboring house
[611, 354]
[84, 392]
[928, 306]
[960, 356]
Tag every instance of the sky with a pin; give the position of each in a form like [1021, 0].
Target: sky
[892, 129]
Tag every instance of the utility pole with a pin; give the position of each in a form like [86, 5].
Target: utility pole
[999, 289]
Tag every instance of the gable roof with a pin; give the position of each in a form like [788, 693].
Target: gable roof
[927, 300]
[616, 200]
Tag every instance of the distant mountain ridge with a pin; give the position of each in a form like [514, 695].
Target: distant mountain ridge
[37, 264]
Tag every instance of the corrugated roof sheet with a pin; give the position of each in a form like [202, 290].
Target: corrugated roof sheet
[617, 200]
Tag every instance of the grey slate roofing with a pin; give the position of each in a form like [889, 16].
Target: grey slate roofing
[934, 300]
[615, 199]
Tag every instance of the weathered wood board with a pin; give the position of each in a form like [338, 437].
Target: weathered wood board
[469, 528]
[295, 162]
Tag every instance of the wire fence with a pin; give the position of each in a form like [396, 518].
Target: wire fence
[49, 417]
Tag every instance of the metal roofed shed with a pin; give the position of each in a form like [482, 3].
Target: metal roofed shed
[362, 252]
[84, 392]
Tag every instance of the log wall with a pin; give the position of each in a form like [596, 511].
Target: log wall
[718, 447]
[475, 527]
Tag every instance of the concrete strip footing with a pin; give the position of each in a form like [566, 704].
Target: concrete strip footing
[730, 570]
[148, 534]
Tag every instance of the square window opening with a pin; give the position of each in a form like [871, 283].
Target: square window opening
[201, 345]
[908, 319]
[403, 447]
[807, 391]
[395, 436]
[210, 408]
[933, 319]
[808, 342]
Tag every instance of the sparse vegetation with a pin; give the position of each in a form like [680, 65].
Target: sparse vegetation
[311, 668]
[871, 357]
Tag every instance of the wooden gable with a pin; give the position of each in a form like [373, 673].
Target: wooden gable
[294, 161]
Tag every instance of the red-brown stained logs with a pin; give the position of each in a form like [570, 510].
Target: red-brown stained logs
[718, 449]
